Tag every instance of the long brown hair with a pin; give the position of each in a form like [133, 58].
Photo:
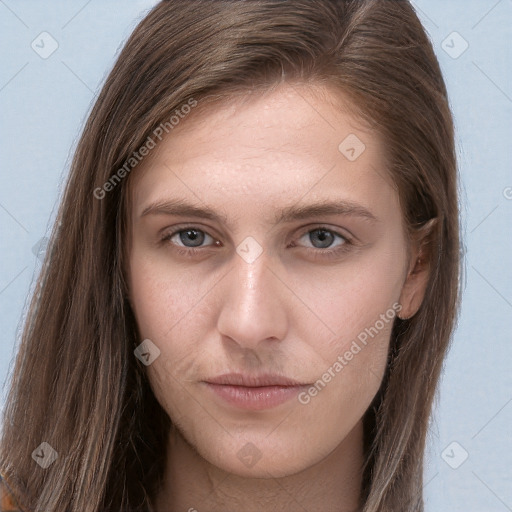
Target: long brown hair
[76, 383]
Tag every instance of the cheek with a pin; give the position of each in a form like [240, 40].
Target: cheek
[162, 298]
[358, 317]
[171, 308]
[349, 375]
[365, 289]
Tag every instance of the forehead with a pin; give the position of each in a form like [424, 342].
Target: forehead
[296, 119]
[272, 147]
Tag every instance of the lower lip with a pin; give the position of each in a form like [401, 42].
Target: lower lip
[255, 399]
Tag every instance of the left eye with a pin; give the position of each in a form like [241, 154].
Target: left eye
[325, 237]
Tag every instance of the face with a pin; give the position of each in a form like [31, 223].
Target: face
[272, 317]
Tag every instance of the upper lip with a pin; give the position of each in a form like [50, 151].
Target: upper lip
[240, 379]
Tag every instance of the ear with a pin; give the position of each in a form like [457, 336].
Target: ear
[419, 269]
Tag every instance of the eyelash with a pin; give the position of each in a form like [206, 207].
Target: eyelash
[317, 253]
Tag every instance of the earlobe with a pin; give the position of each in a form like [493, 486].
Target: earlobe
[412, 295]
[414, 287]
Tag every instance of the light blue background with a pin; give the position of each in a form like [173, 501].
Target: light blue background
[44, 103]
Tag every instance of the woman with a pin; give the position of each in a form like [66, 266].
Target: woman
[259, 371]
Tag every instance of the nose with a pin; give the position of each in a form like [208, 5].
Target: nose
[254, 303]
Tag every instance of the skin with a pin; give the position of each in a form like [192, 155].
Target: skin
[287, 312]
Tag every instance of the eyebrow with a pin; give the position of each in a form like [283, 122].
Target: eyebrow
[182, 208]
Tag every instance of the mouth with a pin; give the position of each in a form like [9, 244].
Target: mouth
[254, 392]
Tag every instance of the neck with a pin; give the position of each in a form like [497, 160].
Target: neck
[193, 484]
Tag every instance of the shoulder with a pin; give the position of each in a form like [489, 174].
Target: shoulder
[7, 500]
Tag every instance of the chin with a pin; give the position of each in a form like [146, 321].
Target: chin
[258, 459]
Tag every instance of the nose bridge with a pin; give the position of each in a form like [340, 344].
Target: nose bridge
[252, 307]
[252, 277]
[251, 261]
[252, 285]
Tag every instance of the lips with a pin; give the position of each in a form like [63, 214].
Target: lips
[240, 379]
[254, 392]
